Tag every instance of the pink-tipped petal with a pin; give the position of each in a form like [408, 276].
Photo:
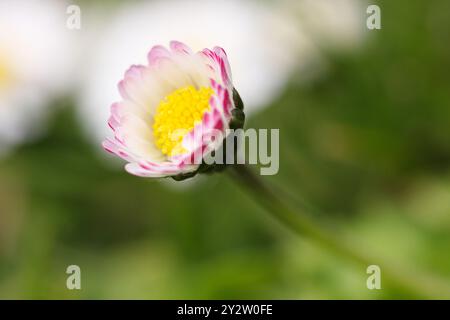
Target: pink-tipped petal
[225, 68]
[180, 48]
[158, 54]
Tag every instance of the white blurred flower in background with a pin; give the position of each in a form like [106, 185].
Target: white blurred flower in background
[266, 43]
[262, 42]
[331, 24]
[35, 61]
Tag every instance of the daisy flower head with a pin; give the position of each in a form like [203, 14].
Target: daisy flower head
[171, 109]
[36, 58]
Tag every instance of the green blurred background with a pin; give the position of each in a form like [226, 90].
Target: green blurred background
[368, 145]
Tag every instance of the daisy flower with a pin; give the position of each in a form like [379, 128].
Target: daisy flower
[170, 108]
[35, 58]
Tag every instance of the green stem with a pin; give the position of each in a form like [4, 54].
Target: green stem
[298, 221]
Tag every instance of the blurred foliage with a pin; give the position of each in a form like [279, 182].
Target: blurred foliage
[368, 144]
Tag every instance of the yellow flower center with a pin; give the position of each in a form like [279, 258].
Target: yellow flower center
[5, 74]
[176, 115]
